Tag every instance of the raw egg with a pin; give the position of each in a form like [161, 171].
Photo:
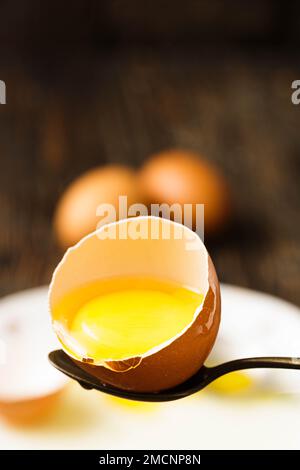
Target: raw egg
[137, 303]
[180, 176]
[76, 213]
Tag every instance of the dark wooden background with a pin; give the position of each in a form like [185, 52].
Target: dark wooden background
[75, 104]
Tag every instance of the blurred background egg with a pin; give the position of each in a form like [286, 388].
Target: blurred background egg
[76, 213]
[181, 176]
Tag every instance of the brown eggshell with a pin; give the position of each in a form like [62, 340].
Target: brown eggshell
[175, 253]
[29, 411]
[29, 385]
[180, 176]
[76, 215]
[178, 361]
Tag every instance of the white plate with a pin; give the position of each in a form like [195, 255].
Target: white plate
[266, 416]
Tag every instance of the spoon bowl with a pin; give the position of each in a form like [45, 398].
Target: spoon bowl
[205, 375]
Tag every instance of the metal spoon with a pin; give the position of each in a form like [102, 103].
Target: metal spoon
[205, 375]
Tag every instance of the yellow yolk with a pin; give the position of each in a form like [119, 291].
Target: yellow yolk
[126, 319]
[233, 383]
[129, 323]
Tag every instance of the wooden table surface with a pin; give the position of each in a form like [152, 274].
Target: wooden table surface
[120, 105]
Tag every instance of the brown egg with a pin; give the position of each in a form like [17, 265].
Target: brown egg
[76, 215]
[164, 250]
[180, 176]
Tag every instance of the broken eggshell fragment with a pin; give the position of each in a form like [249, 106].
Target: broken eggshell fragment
[147, 247]
[29, 387]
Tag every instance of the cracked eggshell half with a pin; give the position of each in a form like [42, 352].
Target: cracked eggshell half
[150, 247]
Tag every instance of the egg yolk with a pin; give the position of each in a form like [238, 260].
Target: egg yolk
[233, 383]
[122, 318]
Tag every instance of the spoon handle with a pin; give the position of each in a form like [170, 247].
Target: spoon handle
[253, 363]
